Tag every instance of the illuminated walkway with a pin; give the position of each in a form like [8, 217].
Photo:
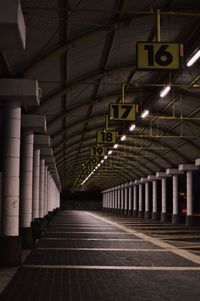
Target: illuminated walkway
[94, 256]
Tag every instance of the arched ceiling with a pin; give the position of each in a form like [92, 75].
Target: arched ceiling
[81, 51]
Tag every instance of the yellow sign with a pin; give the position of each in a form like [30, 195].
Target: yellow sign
[159, 55]
[106, 137]
[122, 111]
[96, 151]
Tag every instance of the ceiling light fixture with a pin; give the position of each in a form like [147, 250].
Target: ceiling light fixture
[116, 145]
[105, 157]
[165, 91]
[110, 152]
[194, 58]
[145, 113]
[132, 127]
[123, 138]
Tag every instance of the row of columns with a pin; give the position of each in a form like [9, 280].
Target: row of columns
[31, 186]
[128, 198]
[30, 181]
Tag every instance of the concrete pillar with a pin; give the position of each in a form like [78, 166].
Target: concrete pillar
[164, 200]
[43, 142]
[140, 212]
[126, 199]
[26, 190]
[155, 206]
[50, 194]
[10, 243]
[130, 198]
[175, 214]
[162, 176]
[41, 194]
[155, 214]
[103, 196]
[115, 199]
[107, 199]
[135, 207]
[189, 194]
[46, 191]
[175, 217]
[189, 190]
[14, 92]
[118, 199]
[51, 207]
[110, 199]
[122, 199]
[36, 183]
[109, 196]
[30, 124]
[147, 210]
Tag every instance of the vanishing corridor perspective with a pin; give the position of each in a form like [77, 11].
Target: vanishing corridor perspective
[99, 150]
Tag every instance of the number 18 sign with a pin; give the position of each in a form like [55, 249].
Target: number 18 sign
[159, 55]
[106, 137]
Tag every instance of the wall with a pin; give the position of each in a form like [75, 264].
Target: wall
[81, 205]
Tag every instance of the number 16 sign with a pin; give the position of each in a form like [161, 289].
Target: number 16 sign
[159, 55]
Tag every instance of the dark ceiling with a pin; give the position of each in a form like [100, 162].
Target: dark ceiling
[81, 51]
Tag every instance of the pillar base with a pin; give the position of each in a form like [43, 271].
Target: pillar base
[130, 213]
[140, 214]
[164, 218]
[122, 211]
[155, 216]
[55, 211]
[50, 216]
[175, 219]
[135, 213]
[147, 215]
[27, 238]
[10, 251]
[125, 211]
[189, 220]
[36, 228]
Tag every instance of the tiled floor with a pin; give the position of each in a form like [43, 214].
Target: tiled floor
[92, 256]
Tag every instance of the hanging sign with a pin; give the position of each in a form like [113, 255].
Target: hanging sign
[122, 111]
[96, 151]
[159, 55]
[92, 162]
[106, 137]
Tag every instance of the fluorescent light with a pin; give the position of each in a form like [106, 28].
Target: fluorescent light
[132, 127]
[145, 113]
[116, 145]
[110, 152]
[105, 157]
[165, 91]
[123, 138]
[102, 161]
[193, 59]
[99, 165]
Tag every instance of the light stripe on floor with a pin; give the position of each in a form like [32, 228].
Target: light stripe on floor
[102, 239]
[105, 249]
[171, 237]
[183, 253]
[96, 267]
[67, 232]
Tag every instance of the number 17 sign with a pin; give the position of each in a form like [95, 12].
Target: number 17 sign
[159, 55]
